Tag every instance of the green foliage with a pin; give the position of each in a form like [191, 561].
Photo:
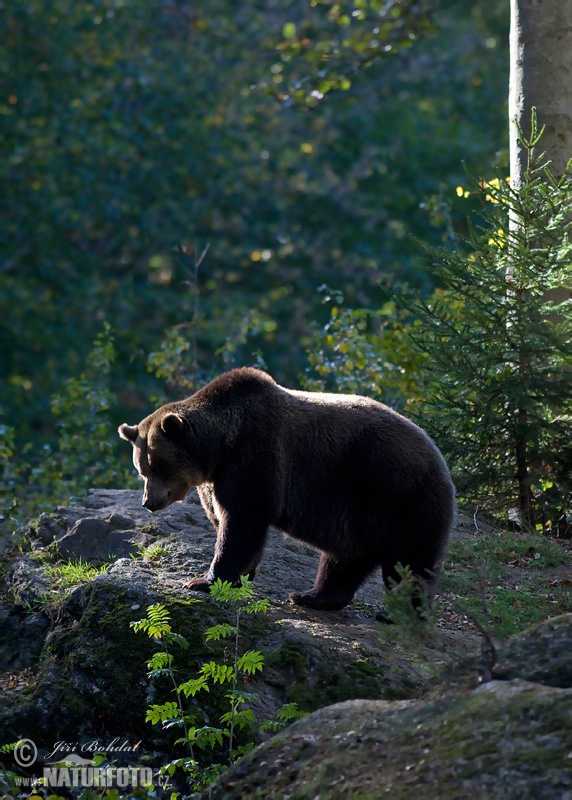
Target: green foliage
[352, 36]
[170, 361]
[498, 342]
[136, 133]
[157, 625]
[9, 477]
[288, 713]
[363, 351]
[397, 603]
[484, 363]
[232, 672]
[85, 453]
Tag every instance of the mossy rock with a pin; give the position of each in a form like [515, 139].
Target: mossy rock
[542, 654]
[93, 669]
[505, 740]
[312, 686]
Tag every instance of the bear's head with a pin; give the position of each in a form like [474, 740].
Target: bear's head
[163, 446]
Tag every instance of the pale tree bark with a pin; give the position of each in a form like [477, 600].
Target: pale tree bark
[541, 76]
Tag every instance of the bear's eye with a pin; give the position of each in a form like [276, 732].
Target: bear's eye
[158, 466]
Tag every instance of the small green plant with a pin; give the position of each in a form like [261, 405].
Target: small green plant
[44, 555]
[65, 574]
[398, 605]
[232, 673]
[365, 351]
[155, 551]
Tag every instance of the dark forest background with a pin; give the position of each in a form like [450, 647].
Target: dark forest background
[190, 189]
[134, 134]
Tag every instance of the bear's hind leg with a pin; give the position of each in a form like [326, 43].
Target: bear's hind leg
[336, 583]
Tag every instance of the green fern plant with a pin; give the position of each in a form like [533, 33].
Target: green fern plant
[231, 673]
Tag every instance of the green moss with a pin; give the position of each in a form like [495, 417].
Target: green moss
[95, 665]
[312, 688]
[366, 678]
[483, 728]
[291, 658]
[509, 742]
[405, 690]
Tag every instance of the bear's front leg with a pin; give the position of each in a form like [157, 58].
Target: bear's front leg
[238, 551]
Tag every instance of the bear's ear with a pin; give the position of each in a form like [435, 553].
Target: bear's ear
[172, 425]
[128, 432]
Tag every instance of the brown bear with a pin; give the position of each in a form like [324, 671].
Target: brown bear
[353, 478]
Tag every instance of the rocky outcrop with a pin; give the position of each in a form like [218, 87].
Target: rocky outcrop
[83, 659]
[542, 654]
[72, 669]
[507, 741]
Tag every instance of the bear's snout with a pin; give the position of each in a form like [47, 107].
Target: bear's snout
[149, 504]
[156, 503]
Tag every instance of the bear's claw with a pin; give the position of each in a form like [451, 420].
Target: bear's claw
[198, 585]
[316, 601]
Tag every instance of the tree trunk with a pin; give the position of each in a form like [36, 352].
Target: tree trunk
[541, 76]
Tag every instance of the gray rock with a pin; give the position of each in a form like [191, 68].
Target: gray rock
[29, 583]
[83, 538]
[542, 654]
[46, 529]
[94, 540]
[121, 522]
[508, 741]
[102, 498]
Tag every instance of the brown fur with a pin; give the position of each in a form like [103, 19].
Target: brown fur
[344, 473]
